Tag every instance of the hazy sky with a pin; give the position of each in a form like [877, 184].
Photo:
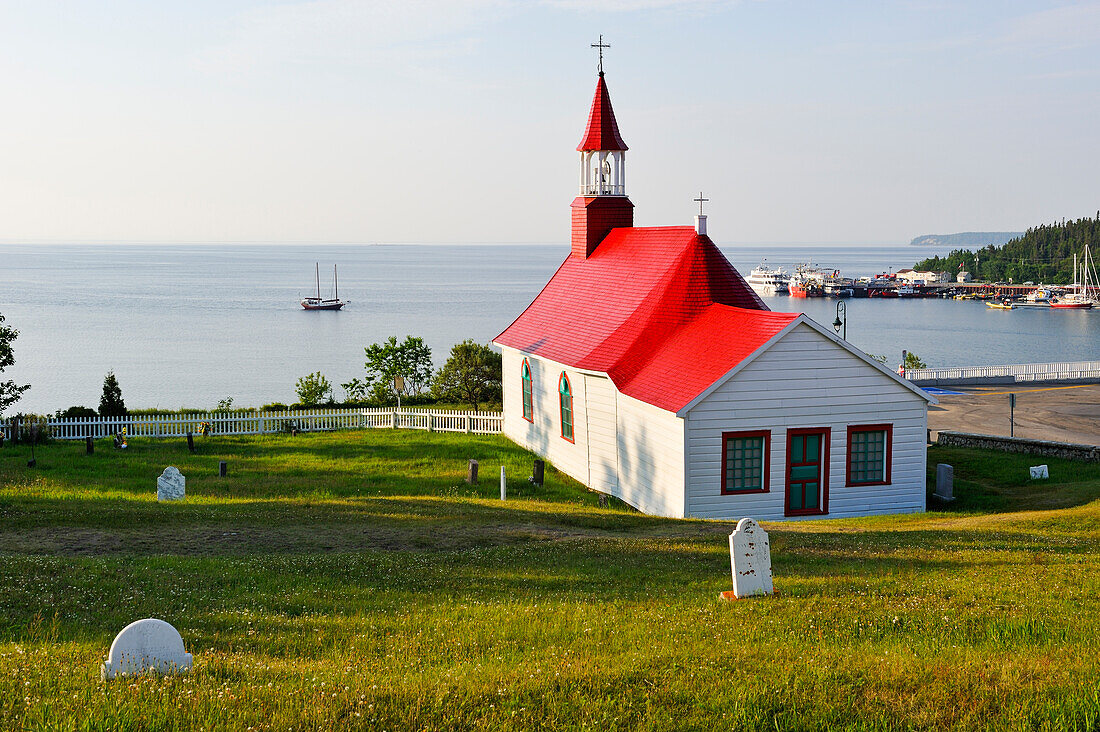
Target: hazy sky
[456, 120]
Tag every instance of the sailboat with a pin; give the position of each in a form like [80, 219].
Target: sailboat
[316, 303]
[1079, 299]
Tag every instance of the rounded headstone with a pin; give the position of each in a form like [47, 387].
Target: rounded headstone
[750, 559]
[146, 645]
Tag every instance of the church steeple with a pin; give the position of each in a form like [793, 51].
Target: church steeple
[602, 204]
[603, 152]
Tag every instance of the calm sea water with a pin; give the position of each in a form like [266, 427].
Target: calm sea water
[185, 326]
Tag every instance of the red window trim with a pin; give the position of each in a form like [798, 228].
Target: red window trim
[572, 415]
[853, 428]
[526, 368]
[767, 435]
[826, 432]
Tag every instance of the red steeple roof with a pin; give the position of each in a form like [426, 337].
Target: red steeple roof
[602, 132]
[659, 310]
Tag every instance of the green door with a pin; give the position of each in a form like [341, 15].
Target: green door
[804, 473]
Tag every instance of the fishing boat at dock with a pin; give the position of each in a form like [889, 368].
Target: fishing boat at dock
[316, 303]
[807, 281]
[805, 288]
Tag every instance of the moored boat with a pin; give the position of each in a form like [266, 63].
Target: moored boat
[1079, 298]
[805, 288]
[768, 281]
[1006, 305]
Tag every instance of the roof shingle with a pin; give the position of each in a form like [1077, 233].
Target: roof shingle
[660, 310]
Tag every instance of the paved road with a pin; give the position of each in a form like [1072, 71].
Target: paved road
[1043, 412]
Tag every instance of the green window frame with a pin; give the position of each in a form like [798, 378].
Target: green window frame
[746, 462]
[565, 395]
[870, 448]
[528, 402]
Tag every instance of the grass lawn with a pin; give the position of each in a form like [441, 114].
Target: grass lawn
[353, 581]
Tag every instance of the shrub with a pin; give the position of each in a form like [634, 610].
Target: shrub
[74, 412]
[313, 388]
[32, 428]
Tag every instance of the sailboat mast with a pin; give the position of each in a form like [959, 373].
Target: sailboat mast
[335, 284]
[317, 274]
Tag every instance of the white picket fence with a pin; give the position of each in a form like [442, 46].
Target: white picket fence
[1022, 372]
[259, 423]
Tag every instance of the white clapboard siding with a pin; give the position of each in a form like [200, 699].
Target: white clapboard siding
[543, 435]
[651, 457]
[806, 380]
[603, 460]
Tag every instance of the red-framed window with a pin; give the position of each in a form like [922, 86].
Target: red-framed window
[807, 489]
[565, 394]
[746, 462]
[870, 454]
[528, 402]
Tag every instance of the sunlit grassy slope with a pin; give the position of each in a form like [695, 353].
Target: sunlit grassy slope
[354, 581]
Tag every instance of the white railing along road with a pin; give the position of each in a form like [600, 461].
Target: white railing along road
[1063, 371]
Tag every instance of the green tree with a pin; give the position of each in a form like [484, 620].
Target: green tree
[313, 389]
[355, 390]
[411, 359]
[9, 390]
[110, 403]
[472, 374]
[912, 361]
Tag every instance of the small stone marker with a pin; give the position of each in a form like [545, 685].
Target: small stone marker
[538, 473]
[471, 473]
[146, 645]
[190, 442]
[223, 468]
[503, 485]
[170, 485]
[89, 445]
[1039, 471]
[751, 561]
[945, 482]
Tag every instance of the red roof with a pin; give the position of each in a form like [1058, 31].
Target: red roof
[602, 132]
[660, 310]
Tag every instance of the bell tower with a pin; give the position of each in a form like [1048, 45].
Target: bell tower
[602, 204]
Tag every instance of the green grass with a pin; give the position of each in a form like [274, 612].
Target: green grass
[353, 580]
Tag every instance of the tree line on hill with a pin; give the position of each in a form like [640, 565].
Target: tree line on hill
[1042, 254]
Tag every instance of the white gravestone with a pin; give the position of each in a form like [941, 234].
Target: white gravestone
[1039, 471]
[751, 560]
[170, 485]
[146, 645]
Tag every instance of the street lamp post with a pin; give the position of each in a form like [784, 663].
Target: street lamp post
[840, 325]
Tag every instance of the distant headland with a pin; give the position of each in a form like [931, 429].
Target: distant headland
[968, 239]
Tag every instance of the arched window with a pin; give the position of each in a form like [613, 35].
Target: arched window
[528, 405]
[566, 395]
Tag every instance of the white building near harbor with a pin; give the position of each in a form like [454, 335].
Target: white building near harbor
[649, 370]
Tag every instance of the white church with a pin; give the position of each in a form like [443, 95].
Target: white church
[647, 369]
